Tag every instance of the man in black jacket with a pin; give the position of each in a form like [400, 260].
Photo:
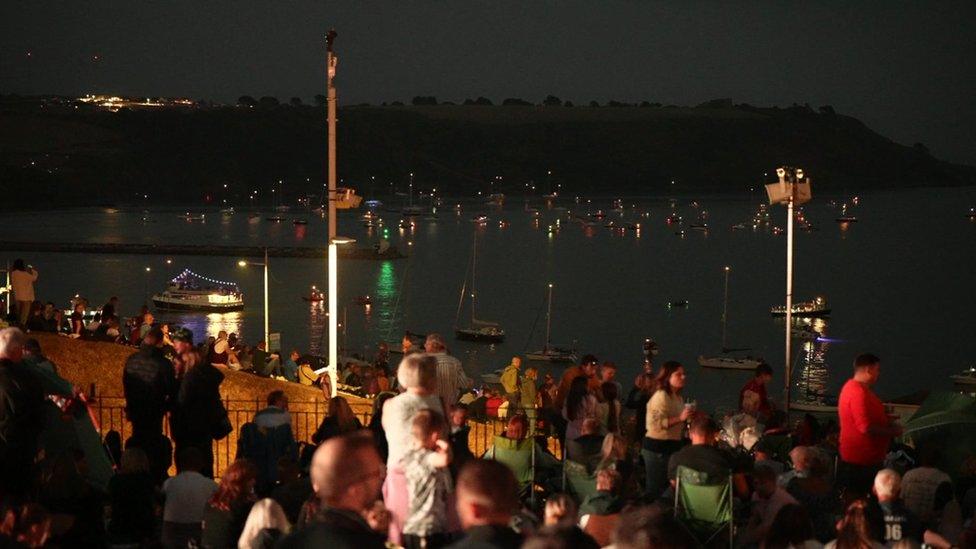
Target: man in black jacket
[21, 416]
[199, 415]
[149, 385]
[347, 474]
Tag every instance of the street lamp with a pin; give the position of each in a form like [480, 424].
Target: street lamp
[793, 188]
[242, 263]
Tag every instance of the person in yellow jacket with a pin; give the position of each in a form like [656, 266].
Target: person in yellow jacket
[511, 384]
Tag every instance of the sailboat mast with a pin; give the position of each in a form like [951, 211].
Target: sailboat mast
[549, 317]
[474, 262]
[725, 307]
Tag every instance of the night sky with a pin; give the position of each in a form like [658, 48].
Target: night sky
[907, 69]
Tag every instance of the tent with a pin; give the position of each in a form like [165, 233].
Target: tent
[942, 410]
[946, 421]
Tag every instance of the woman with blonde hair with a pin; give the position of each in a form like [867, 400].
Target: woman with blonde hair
[265, 525]
[417, 375]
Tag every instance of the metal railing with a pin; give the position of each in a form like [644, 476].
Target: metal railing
[306, 418]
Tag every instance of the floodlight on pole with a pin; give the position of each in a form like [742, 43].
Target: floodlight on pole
[243, 263]
[793, 188]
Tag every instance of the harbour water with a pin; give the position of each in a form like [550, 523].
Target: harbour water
[900, 281]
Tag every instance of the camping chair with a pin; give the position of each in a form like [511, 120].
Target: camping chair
[519, 456]
[577, 481]
[704, 508]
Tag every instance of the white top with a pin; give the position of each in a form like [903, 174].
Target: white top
[398, 415]
[186, 497]
[22, 284]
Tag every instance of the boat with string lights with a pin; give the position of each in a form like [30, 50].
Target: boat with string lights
[190, 291]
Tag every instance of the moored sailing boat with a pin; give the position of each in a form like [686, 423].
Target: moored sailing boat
[550, 352]
[481, 331]
[723, 361]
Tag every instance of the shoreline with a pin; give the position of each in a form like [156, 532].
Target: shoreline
[315, 252]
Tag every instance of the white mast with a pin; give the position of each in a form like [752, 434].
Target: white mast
[725, 307]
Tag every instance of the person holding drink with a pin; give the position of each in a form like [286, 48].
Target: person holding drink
[667, 413]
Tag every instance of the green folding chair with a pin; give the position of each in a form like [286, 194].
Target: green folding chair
[702, 506]
[577, 481]
[519, 456]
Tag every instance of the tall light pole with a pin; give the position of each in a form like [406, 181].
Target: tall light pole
[267, 329]
[331, 62]
[791, 189]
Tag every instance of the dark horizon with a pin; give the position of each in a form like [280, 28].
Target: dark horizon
[906, 71]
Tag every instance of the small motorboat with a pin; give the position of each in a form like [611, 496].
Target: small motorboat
[847, 219]
[804, 309]
[552, 354]
[828, 406]
[729, 363]
[480, 219]
[739, 227]
[364, 300]
[314, 296]
[673, 219]
[275, 219]
[193, 217]
[971, 214]
[300, 222]
[681, 303]
[227, 211]
[966, 377]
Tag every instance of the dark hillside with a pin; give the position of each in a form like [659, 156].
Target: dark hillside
[61, 154]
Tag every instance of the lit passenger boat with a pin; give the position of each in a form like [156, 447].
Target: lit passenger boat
[192, 292]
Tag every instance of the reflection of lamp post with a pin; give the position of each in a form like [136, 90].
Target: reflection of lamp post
[242, 263]
[791, 189]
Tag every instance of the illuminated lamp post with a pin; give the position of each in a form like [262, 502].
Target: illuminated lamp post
[242, 263]
[792, 189]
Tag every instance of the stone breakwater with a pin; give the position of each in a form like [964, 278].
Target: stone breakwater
[345, 252]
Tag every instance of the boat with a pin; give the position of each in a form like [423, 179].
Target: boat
[729, 362]
[300, 222]
[677, 304]
[673, 219]
[828, 407]
[193, 217]
[364, 300]
[275, 218]
[227, 211]
[479, 219]
[724, 360]
[971, 214]
[804, 309]
[550, 352]
[496, 199]
[844, 217]
[314, 296]
[966, 377]
[701, 224]
[480, 331]
[410, 209]
[192, 292]
[804, 332]
[282, 208]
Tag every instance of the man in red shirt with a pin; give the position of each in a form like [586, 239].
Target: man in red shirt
[865, 429]
[752, 397]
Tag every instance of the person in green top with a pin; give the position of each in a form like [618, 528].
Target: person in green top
[529, 397]
[510, 383]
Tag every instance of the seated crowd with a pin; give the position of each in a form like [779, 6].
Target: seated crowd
[575, 466]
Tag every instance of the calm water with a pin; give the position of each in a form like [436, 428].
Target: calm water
[900, 281]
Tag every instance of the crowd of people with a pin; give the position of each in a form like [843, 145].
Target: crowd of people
[577, 465]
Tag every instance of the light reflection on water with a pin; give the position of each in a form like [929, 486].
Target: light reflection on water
[204, 326]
